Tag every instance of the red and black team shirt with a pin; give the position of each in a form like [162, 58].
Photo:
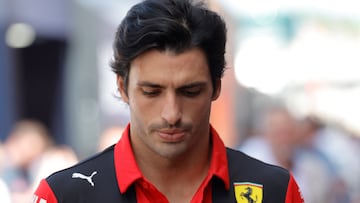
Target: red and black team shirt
[114, 176]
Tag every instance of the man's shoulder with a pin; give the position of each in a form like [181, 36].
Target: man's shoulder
[91, 180]
[248, 173]
[252, 180]
[86, 168]
[241, 163]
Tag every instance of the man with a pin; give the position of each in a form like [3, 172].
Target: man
[169, 60]
[277, 140]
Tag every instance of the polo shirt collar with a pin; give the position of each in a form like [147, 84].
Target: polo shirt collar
[128, 172]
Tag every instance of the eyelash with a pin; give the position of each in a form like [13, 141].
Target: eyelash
[190, 93]
[187, 93]
[150, 93]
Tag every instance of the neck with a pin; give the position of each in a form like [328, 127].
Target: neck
[177, 178]
[189, 165]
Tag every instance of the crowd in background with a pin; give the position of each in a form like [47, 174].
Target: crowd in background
[323, 157]
[29, 154]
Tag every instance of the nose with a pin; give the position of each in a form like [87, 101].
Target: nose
[171, 111]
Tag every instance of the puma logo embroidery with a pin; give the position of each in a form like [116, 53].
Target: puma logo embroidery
[88, 178]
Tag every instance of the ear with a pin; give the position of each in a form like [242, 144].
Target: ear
[122, 88]
[217, 89]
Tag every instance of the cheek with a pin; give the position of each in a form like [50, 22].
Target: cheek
[199, 109]
[142, 109]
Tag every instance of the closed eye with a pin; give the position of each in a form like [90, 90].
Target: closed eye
[191, 91]
[151, 92]
[149, 89]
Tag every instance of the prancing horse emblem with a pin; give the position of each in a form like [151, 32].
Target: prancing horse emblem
[248, 194]
[88, 178]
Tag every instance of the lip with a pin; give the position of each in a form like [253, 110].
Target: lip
[171, 135]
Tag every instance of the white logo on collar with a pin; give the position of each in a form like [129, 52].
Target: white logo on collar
[88, 178]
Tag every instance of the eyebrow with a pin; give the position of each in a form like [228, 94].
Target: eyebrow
[154, 85]
[191, 85]
[149, 84]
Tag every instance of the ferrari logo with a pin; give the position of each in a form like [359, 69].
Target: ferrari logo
[246, 192]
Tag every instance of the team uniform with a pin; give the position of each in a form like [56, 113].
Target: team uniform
[114, 176]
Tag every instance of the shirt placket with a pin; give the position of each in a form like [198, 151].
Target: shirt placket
[150, 192]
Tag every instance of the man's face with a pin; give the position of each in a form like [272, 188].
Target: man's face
[169, 96]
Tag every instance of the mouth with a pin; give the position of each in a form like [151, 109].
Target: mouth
[171, 136]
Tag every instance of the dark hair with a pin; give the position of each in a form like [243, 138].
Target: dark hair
[175, 25]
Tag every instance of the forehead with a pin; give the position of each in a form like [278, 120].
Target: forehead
[165, 66]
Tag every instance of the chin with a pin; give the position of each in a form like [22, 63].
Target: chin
[171, 151]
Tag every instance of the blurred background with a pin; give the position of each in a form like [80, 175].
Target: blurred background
[290, 94]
